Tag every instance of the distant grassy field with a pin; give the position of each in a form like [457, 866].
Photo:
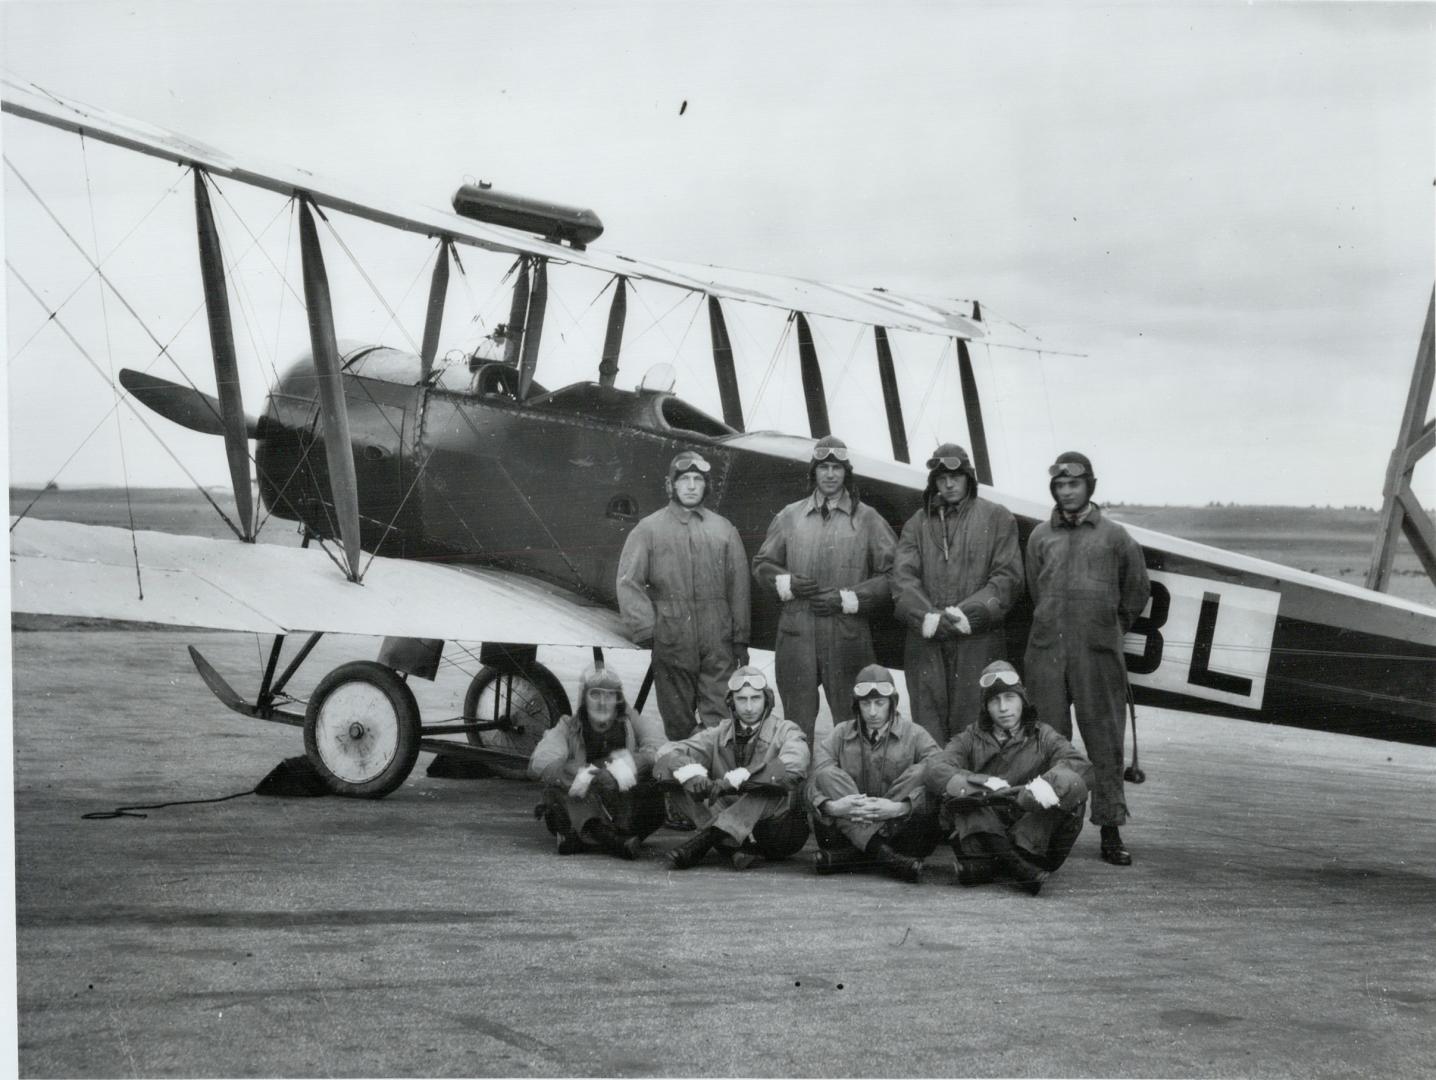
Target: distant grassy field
[1334, 543]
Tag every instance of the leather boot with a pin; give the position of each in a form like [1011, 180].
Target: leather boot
[612, 840]
[973, 869]
[1113, 850]
[840, 861]
[903, 867]
[568, 842]
[1023, 874]
[690, 853]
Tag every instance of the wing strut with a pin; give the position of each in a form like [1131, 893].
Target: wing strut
[434, 317]
[226, 365]
[723, 364]
[613, 338]
[518, 308]
[891, 401]
[812, 380]
[1400, 509]
[976, 431]
[337, 447]
[533, 327]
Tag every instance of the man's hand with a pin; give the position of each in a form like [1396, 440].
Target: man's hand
[579, 788]
[604, 785]
[740, 654]
[803, 587]
[878, 809]
[844, 807]
[955, 622]
[698, 787]
[995, 783]
[826, 602]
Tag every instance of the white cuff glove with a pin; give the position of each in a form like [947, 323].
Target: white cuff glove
[929, 623]
[737, 777]
[624, 770]
[850, 601]
[995, 783]
[784, 583]
[689, 771]
[963, 625]
[579, 788]
[1043, 793]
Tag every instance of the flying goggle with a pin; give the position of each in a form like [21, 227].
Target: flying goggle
[837, 453]
[952, 464]
[739, 679]
[863, 689]
[601, 693]
[1006, 678]
[1067, 468]
[683, 464]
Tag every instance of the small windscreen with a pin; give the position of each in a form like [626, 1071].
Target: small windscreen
[385, 365]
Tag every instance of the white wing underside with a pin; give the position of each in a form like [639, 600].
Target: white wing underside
[871, 306]
[64, 568]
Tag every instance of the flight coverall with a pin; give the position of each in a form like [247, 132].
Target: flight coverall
[848, 549]
[1088, 584]
[847, 763]
[1045, 837]
[683, 589]
[966, 556]
[562, 753]
[777, 753]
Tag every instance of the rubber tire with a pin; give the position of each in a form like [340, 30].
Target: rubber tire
[406, 718]
[544, 688]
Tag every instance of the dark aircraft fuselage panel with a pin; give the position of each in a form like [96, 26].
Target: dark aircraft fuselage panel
[551, 488]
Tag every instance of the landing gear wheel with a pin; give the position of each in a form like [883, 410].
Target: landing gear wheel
[361, 730]
[526, 701]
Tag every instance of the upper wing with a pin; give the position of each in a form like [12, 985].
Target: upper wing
[64, 568]
[871, 306]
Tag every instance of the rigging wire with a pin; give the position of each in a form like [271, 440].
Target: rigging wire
[367, 280]
[113, 252]
[110, 370]
[126, 399]
[772, 363]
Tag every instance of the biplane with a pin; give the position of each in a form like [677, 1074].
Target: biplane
[439, 499]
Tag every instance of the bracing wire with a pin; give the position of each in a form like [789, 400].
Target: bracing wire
[126, 399]
[368, 281]
[110, 371]
[113, 252]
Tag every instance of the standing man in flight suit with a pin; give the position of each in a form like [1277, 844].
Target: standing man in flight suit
[827, 557]
[1088, 584]
[957, 573]
[683, 592]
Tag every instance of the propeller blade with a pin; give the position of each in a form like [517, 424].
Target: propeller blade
[184, 405]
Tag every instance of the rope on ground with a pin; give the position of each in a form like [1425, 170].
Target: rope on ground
[129, 811]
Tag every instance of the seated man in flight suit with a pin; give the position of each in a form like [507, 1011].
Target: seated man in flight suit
[597, 770]
[866, 790]
[1013, 789]
[740, 780]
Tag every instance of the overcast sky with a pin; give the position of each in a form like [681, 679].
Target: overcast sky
[1218, 219]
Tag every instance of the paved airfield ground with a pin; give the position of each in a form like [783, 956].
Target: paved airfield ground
[1277, 922]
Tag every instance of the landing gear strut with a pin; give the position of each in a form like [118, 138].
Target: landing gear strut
[521, 701]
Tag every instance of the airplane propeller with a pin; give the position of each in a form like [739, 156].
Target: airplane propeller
[186, 406]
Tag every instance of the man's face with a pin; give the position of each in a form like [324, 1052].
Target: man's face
[874, 709]
[1005, 709]
[951, 487]
[602, 707]
[688, 489]
[1071, 493]
[830, 478]
[748, 705]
